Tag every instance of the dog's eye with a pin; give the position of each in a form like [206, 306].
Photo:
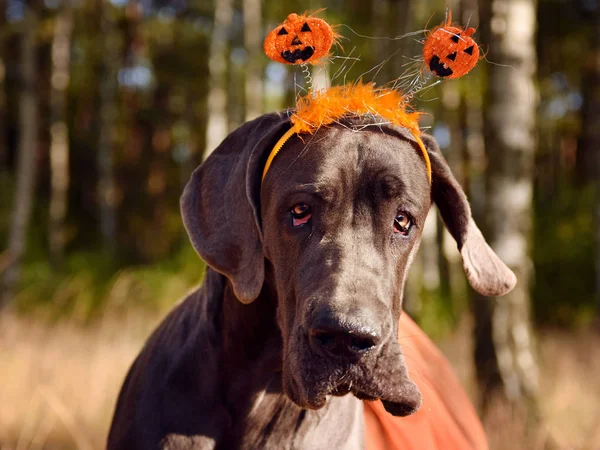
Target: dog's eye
[301, 213]
[402, 223]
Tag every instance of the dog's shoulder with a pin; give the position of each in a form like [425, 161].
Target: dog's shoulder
[174, 381]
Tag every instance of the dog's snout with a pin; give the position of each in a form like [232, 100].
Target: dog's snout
[335, 338]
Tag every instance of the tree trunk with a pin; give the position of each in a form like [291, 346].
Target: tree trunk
[597, 234]
[59, 145]
[472, 124]
[216, 128]
[380, 26]
[27, 158]
[3, 112]
[253, 43]
[108, 111]
[588, 155]
[451, 102]
[401, 21]
[504, 352]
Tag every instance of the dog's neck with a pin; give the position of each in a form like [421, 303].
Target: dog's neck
[251, 361]
[250, 333]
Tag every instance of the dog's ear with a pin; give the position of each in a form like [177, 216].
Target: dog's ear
[485, 271]
[220, 204]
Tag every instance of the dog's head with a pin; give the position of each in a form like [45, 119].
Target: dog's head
[338, 219]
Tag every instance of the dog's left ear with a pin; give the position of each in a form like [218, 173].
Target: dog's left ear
[486, 273]
[220, 204]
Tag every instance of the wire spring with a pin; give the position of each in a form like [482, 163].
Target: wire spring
[307, 76]
[416, 87]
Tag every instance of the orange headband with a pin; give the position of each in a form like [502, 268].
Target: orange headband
[289, 133]
[325, 107]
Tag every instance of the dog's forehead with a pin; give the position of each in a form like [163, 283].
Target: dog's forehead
[354, 155]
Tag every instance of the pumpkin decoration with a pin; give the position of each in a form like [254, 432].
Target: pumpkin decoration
[449, 51]
[300, 39]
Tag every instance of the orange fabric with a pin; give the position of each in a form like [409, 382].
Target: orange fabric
[446, 420]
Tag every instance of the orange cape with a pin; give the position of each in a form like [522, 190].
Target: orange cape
[446, 420]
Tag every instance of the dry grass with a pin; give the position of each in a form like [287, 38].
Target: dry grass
[571, 387]
[58, 385]
[569, 399]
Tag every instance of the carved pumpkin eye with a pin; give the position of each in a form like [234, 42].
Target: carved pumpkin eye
[455, 38]
[305, 27]
[282, 32]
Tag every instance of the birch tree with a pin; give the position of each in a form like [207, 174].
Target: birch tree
[59, 144]
[3, 115]
[504, 352]
[108, 111]
[253, 42]
[216, 128]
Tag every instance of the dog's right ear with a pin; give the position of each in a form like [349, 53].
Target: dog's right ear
[486, 273]
[220, 204]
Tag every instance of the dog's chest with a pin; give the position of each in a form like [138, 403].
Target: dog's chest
[276, 423]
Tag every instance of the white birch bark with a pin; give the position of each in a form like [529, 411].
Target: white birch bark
[253, 42]
[108, 111]
[59, 136]
[510, 145]
[216, 128]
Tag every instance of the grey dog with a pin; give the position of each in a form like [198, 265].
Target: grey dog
[301, 300]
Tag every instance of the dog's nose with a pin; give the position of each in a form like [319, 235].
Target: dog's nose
[335, 338]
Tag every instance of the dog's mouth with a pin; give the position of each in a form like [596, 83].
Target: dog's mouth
[311, 380]
[408, 403]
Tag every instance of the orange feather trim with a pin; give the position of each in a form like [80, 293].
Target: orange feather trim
[325, 107]
[330, 105]
[322, 108]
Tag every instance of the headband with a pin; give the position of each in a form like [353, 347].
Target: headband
[329, 106]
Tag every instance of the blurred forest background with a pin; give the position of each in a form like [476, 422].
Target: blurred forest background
[106, 107]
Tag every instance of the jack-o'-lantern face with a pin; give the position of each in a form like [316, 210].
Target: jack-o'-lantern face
[299, 40]
[451, 52]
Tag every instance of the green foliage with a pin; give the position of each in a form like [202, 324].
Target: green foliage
[89, 285]
[564, 257]
[438, 315]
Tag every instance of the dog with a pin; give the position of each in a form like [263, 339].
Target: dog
[296, 321]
